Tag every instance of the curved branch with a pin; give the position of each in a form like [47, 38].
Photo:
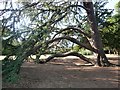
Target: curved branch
[74, 41]
[33, 50]
[59, 19]
[67, 54]
[87, 42]
[73, 29]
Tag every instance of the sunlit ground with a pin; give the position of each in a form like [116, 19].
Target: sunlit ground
[64, 73]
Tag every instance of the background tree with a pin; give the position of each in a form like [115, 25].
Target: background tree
[111, 32]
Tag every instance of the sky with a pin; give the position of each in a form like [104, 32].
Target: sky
[111, 3]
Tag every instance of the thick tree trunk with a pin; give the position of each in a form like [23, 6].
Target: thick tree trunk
[96, 35]
[0, 43]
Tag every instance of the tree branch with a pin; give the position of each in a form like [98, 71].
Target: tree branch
[78, 6]
[74, 41]
[33, 50]
[67, 54]
[73, 29]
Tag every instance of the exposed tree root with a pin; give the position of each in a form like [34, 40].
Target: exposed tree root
[102, 62]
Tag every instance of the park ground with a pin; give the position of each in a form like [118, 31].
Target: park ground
[66, 73]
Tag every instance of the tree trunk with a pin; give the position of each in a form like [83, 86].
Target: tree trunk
[0, 43]
[96, 35]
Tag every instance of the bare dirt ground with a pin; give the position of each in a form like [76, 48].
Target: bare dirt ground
[63, 74]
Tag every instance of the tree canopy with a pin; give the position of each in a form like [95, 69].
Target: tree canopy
[111, 32]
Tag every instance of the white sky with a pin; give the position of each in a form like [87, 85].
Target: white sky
[112, 3]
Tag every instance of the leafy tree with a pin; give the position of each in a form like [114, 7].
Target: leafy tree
[50, 25]
[111, 32]
[102, 14]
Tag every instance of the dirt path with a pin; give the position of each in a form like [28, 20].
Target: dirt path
[61, 75]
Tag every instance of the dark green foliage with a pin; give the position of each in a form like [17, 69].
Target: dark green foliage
[10, 70]
[102, 14]
[111, 33]
[9, 49]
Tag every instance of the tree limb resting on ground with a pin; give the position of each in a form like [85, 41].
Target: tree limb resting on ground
[68, 54]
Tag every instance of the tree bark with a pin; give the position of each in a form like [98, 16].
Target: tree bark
[74, 41]
[33, 50]
[96, 34]
[68, 54]
[75, 30]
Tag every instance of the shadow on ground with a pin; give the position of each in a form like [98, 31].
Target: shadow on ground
[63, 75]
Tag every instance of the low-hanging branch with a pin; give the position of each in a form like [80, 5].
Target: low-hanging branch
[36, 48]
[74, 41]
[67, 54]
